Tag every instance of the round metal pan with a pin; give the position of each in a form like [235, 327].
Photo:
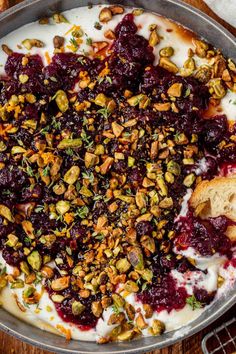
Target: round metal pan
[31, 10]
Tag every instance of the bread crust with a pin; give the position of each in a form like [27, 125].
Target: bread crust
[215, 198]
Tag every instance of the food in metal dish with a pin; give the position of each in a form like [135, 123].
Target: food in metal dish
[117, 165]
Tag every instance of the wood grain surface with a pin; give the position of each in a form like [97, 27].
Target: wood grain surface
[192, 345]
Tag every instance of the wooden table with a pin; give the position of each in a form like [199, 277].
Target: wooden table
[192, 345]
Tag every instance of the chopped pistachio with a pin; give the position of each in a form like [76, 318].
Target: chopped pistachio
[105, 15]
[12, 240]
[96, 308]
[59, 18]
[189, 180]
[137, 12]
[90, 159]
[77, 308]
[154, 38]
[140, 322]
[6, 213]
[174, 168]
[117, 129]
[131, 286]
[135, 257]
[157, 328]
[62, 100]
[175, 89]
[168, 65]
[62, 207]
[57, 298]
[69, 143]
[123, 265]
[60, 284]
[35, 260]
[72, 175]
[86, 192]
[17, 284]
[23, 78]
[118, 301]
[131, 161]
[30, 43]
[166, 52]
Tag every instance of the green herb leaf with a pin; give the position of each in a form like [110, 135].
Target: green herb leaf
[46, 171]
[89, 41]
[56, 123]
[69, 152]
[82, 212]
[39, 208]
[89, 176]
[109, 79]
[74, 43]
[105, 112]
[193, 302]
[81, 60]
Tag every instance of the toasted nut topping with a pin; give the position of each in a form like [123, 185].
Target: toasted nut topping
[35, 260]
[116, 318]
[117, 129]
[96, 308]
[106, 165]
[168, 65]
[72, 175]
[127, 335]
[109, 34]
[62, 207]
[30, 43]
[77, 308]
[140, 322]
[44, 21]
[60, 284]
[157, 328]
[105, 15]
[62, 101]
[154, 38]
[6, 213]
[162, 107]
[200, 48]
[137, 12]
[203, 73]
[166, 52]
[135, 257]
[69, 143]
[123, 265]
[116, 10]
[58, 41]
[6, 49]
[148, 310]
[47, 272]
[57, 298]
[175, 90]
[59, 18]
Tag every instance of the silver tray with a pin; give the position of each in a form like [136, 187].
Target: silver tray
[31, 10]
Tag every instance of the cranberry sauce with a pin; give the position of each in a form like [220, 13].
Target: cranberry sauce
[206, 236]
[86, 319]
[164, 295]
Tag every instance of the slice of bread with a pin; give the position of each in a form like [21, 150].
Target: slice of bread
[215, 198]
